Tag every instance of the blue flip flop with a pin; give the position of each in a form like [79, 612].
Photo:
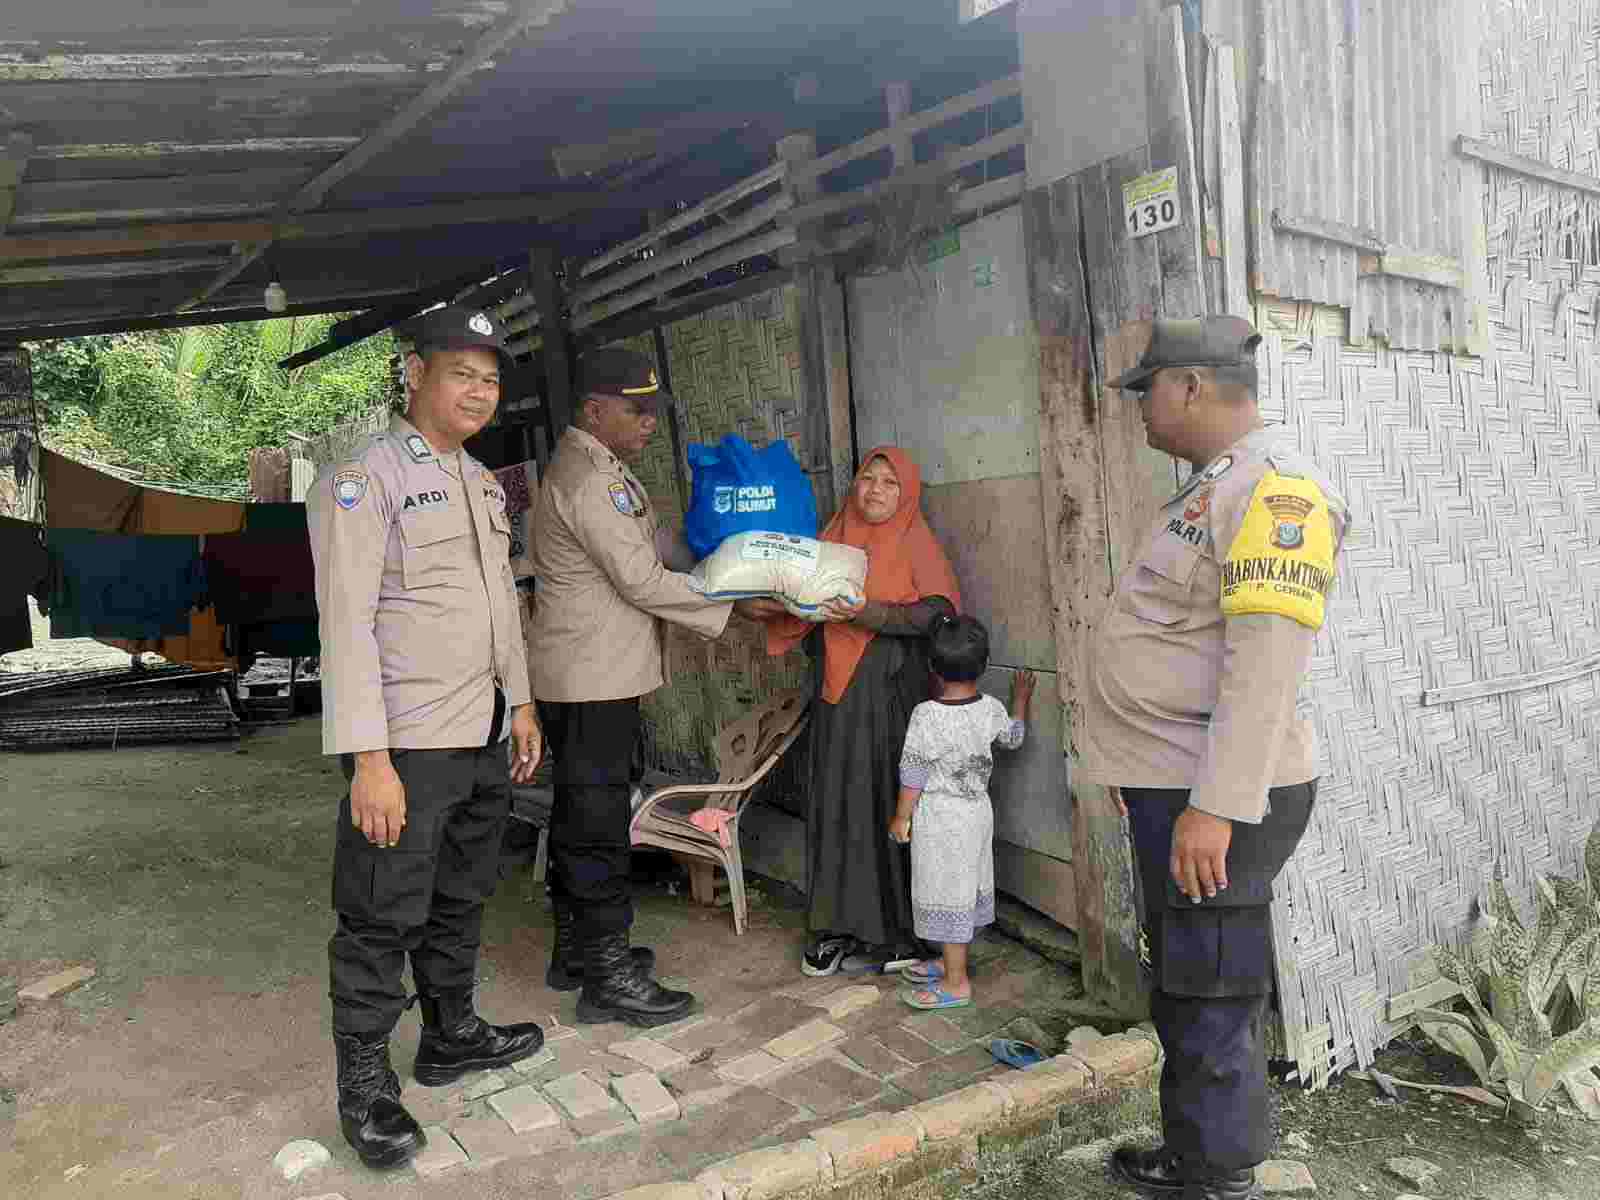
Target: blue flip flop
[941, 999]
[1014, 1053]
[933, 971]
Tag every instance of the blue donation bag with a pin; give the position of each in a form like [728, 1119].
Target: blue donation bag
[738, 489]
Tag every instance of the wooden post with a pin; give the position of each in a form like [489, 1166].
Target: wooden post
[897, 100]
[824, 350]
[554, 348]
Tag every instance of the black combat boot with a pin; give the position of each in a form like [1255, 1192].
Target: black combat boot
[1208, 1183]
[456, 1040]
[375, 1123]
[1157, 1170]
[566, 959]
[614, 989]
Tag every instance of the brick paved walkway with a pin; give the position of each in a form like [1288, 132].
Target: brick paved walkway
[630, 1107]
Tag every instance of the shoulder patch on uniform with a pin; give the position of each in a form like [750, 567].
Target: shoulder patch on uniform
[417, 446]
[349, 488]
[1281, 561]
[620, 499]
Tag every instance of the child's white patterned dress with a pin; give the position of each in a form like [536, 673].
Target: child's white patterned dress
[949, 755]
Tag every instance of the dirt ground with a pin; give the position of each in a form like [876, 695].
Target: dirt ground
[1346, 1132]
[195, 880]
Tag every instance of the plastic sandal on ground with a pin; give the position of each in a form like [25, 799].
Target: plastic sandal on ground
[1014, 1053]
[934, 997]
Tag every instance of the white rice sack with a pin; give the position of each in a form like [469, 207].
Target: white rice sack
[802, 572]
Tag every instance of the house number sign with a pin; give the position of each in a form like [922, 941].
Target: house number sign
[1150, 203]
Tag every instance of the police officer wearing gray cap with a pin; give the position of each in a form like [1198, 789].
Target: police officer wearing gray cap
[595, 648]
[1190, 717]
[424, 678]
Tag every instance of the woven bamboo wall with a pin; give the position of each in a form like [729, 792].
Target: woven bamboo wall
[734, 369]
[1476, 491]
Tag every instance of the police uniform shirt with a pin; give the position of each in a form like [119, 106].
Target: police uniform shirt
[1194, 671]
[417, 605]
[601, 586]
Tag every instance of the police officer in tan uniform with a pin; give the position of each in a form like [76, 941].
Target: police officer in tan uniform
[602, 592]
[424, 677]
[1190, 715]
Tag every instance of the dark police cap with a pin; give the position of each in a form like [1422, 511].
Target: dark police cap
[456, 328]
[613, 371]
[1227, 344]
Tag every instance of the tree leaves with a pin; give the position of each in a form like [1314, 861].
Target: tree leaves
[188, 406]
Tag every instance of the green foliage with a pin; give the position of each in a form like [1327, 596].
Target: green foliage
[1534, 997]
[188, 405]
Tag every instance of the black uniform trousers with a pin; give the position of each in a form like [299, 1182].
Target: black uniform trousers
[1211, 966]
[424, 896]
[593, 742]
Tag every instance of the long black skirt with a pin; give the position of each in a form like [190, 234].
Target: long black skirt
[860, 881]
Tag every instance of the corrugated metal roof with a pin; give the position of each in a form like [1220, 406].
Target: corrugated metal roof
[1355, 122]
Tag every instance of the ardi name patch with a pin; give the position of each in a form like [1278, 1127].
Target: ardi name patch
[429, 499]
[349, 488]
[1281, 562]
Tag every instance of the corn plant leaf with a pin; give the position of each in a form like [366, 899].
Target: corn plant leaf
[1461, 972]
[1509, 957]
[1591, 861]
[1574, 898]
[1501, 907]
[1575, 1051]
[1549, 912]
[1542, 976]
[1459, 1036]
[1574, 954]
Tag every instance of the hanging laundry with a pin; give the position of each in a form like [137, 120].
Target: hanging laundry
[139, 586]
[26, 565]
[258, 577]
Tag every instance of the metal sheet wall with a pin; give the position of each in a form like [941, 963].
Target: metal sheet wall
[1355, 116]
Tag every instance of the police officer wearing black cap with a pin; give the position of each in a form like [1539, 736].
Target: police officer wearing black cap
[1191, 716]
[595, 648]
[425, 679]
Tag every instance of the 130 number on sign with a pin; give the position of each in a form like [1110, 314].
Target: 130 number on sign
[1150, 203]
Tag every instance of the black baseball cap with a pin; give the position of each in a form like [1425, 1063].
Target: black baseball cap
[614, 371]
[454, 327]
[1227, 344]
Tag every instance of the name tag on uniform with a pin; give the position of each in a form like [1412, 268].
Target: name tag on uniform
[430, 499]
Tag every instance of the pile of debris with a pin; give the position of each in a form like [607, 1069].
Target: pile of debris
[48, 710]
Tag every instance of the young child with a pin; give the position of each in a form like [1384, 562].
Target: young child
[944, 797]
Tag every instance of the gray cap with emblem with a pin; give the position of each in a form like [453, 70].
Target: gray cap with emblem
[1226, 344]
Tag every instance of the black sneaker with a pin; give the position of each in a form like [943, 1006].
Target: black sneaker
[825, 954]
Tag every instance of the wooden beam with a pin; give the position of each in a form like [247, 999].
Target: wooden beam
[222, 195]
[560, 401]
[1377, 256]
[726, 198]
[1521, 164]
[408, 119]
[365, 325]
[1230, 154]
[143, 239]
[643, 320]
[278, 58]
[126, 268]
[13, 163]
[897, 103]
[49, 326]
[999, 89]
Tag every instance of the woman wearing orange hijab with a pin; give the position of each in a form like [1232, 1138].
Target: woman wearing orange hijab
[874, 671]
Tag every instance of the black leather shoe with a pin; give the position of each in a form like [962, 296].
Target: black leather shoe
[1211, 1184]
[614, 989]
[1158, 1170]
[566, 959]
[456, 1040]
[374, 1122]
